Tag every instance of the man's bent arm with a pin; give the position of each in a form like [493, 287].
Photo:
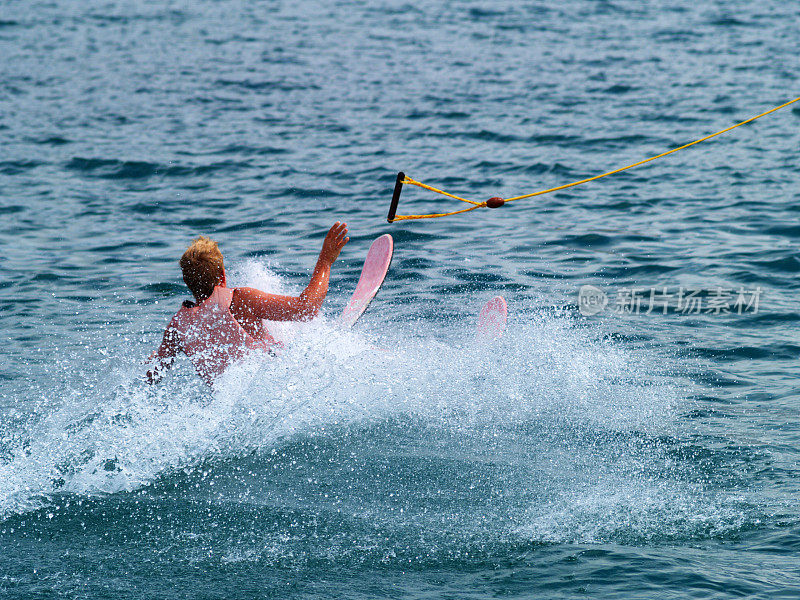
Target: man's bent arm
[250, 304]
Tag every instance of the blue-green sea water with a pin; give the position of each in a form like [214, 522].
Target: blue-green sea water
[626, 454]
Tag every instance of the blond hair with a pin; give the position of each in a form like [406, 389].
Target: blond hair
[202, 267]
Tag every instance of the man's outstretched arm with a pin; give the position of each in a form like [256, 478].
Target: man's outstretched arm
[250, 304]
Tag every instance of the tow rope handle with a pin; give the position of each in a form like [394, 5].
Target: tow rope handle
[398, 187]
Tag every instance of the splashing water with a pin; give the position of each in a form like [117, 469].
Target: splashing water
[567, 435]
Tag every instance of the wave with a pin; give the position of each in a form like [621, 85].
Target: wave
[103, 168]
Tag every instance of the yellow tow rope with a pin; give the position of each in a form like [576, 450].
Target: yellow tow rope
[403, 179]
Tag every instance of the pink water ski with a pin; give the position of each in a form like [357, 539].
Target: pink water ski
[492, 319]
[376, 265]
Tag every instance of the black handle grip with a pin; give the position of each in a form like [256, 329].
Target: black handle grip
[398, 187]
